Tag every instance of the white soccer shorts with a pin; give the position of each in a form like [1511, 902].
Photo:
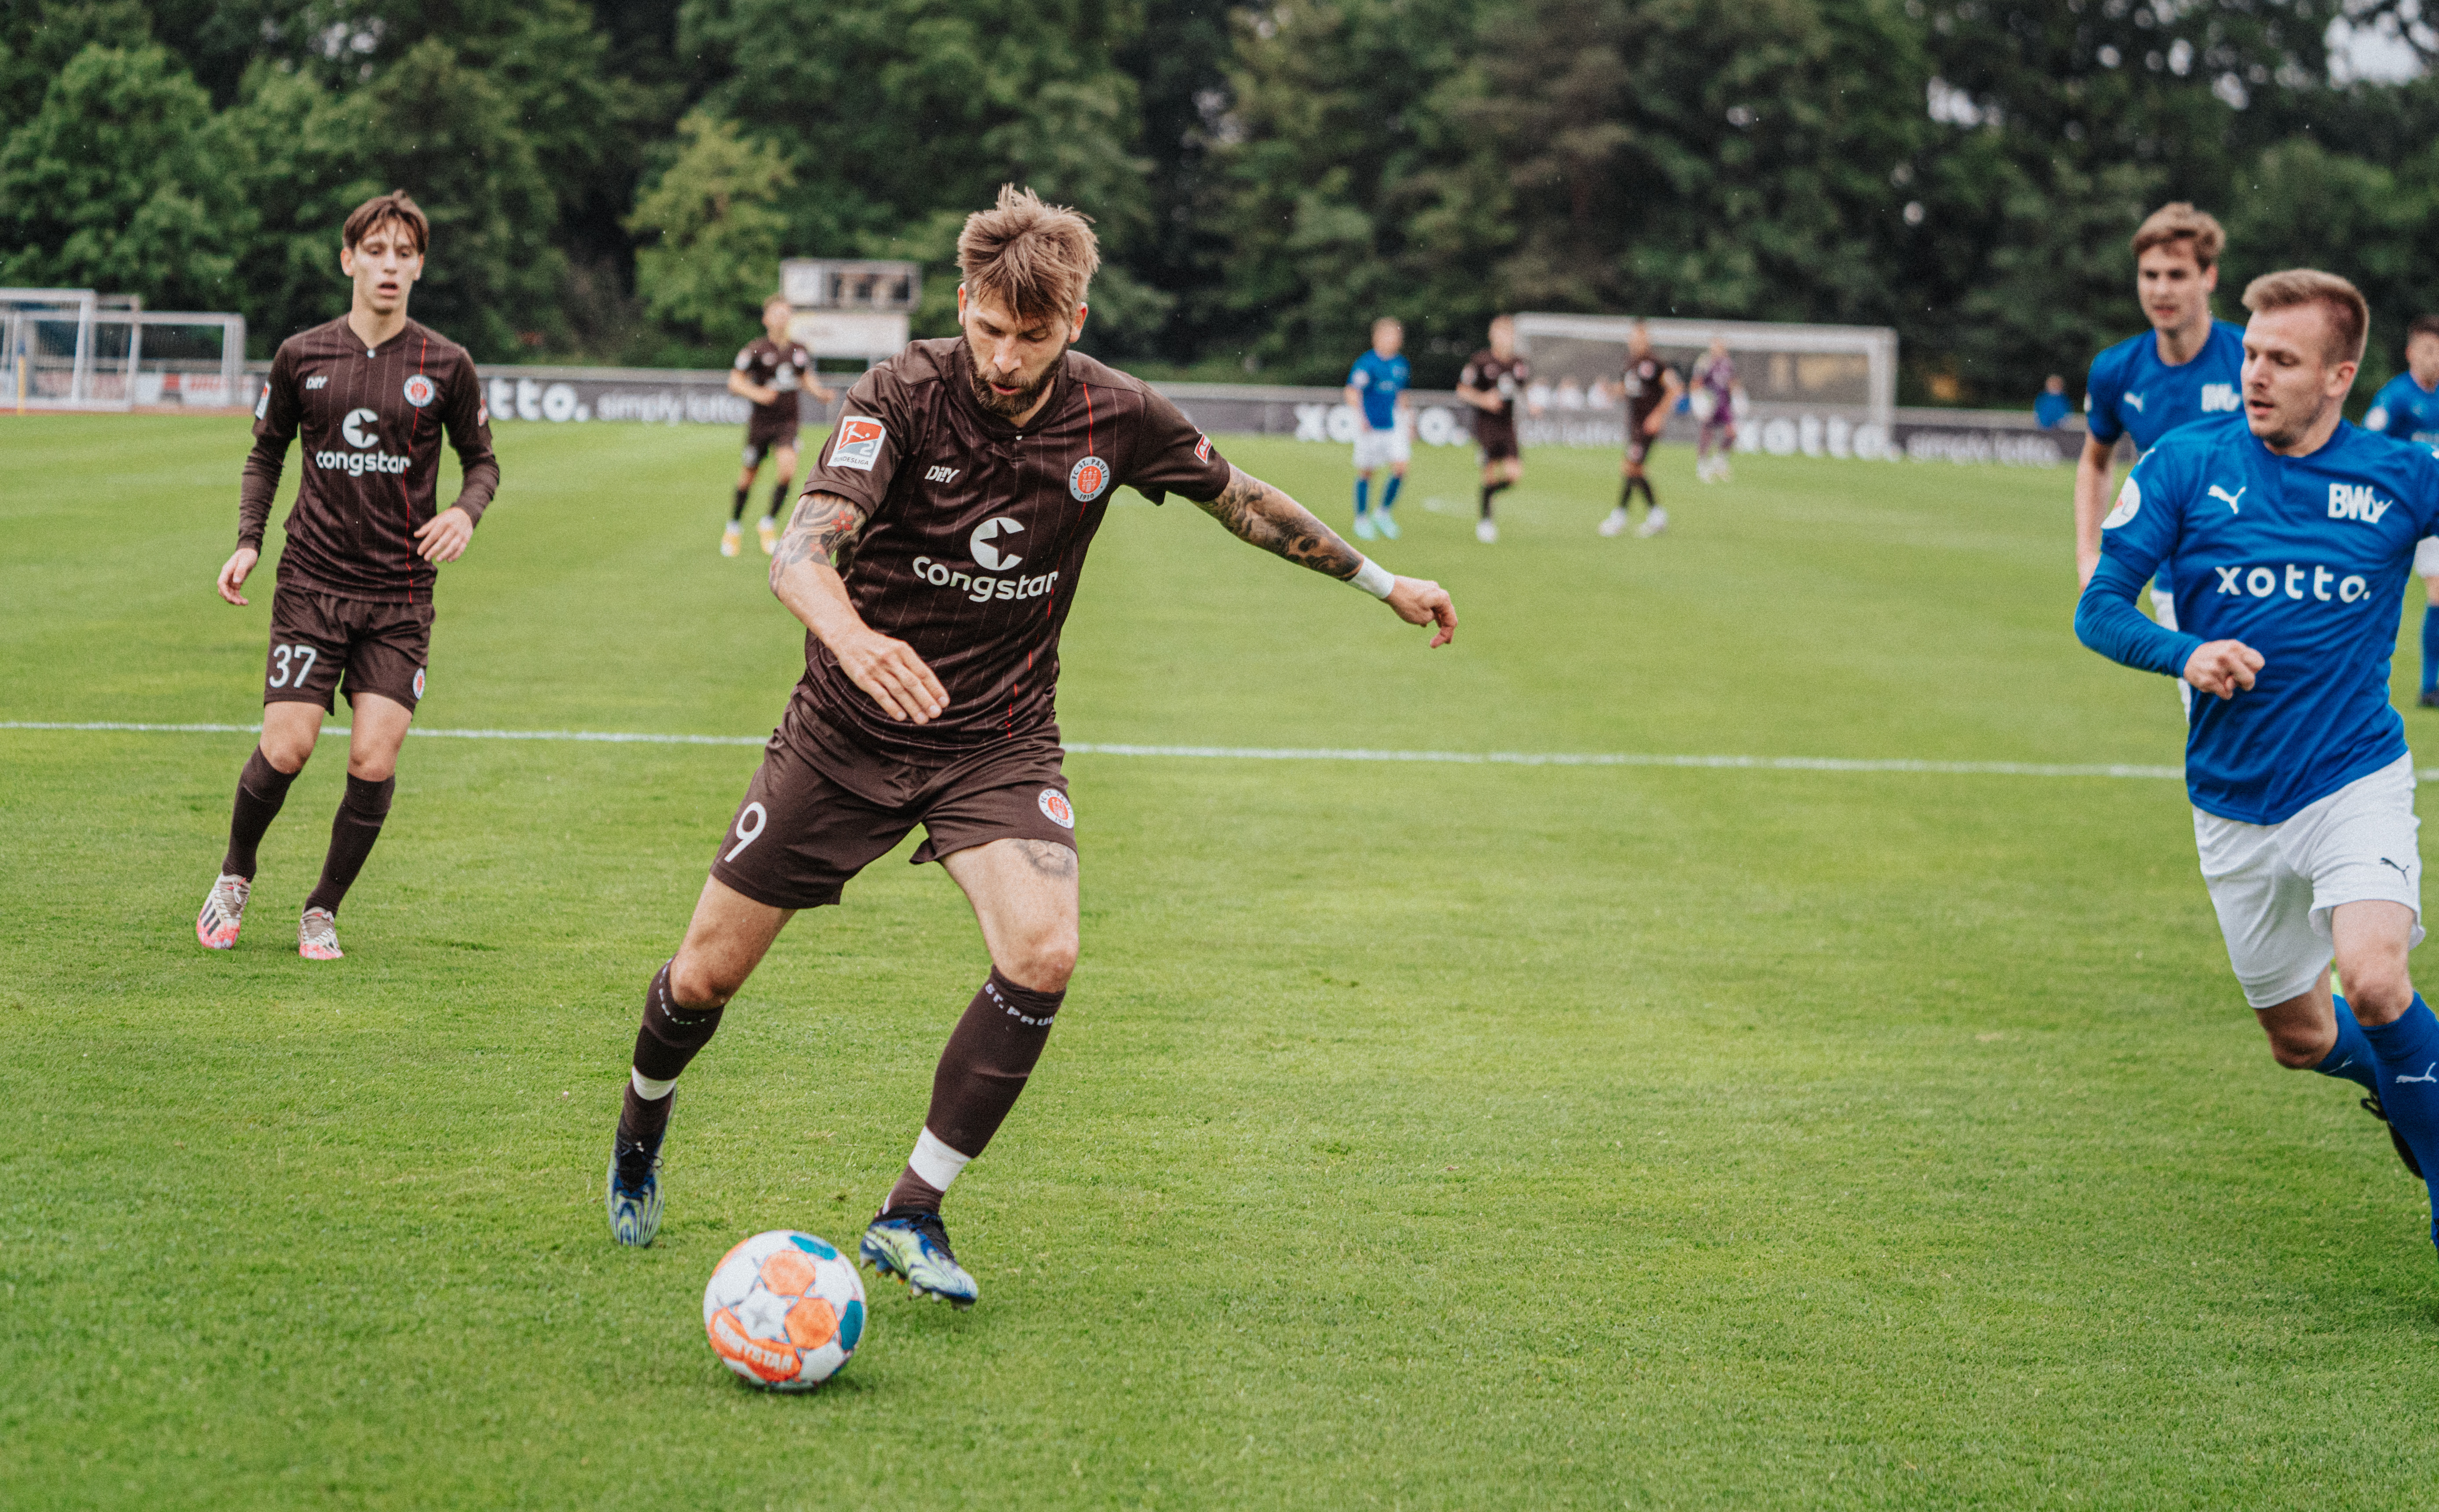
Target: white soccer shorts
[1375, 450]
[2273, 885]
[2426, 556]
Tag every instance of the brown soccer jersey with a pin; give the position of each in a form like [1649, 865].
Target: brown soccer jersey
[372, 424]
[767, 364]
[976, 531]
[1502, 376]
[1646, 385]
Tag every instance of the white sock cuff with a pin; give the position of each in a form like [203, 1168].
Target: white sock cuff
[647, 1088]
[935, 1162]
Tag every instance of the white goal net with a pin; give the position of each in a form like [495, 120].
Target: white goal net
[1821, 390]
[75, 349]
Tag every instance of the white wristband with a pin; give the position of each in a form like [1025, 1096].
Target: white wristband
[1374, 578]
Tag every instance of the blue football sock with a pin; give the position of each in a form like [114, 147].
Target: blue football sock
[2351, 1059]
[2431, 648]
[2409, 1083]
[1363, 494]
[1398, 480]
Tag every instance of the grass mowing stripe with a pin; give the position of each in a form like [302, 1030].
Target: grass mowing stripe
[1253, 752]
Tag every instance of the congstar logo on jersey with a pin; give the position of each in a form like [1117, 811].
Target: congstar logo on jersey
[361, 429]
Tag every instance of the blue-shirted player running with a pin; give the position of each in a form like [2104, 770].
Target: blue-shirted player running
[2408, 408]
[2187, 367]
[2288, 533]
[1376, 391]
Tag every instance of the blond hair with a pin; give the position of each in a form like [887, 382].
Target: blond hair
[2349, 315]
[1035, 258]
[2181, 222]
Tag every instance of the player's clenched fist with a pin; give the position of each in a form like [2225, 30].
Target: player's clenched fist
[893, 676]
[2222, 667]
[1420, 601]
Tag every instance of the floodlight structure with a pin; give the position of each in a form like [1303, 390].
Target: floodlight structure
[855, 310]
[76, 349]
[1821, 390]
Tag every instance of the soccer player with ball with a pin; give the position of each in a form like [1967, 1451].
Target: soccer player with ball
[2288, 534]
[933, 559]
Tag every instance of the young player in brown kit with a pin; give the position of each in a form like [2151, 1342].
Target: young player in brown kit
[768, 374]
[373, 395]
[933, 559]
[1493, 382]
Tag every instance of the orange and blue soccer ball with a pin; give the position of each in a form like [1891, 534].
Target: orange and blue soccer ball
[784, 1311]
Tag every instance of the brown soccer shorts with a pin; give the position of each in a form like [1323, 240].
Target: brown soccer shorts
[802, 832]
[315, 637]
[762, 436]
[1497, 438]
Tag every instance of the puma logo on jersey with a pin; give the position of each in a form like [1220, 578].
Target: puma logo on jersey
[316, 382]
[2135, 401]
[2217, 492]
[2219, 397]
[2353, 500]
[942, 475]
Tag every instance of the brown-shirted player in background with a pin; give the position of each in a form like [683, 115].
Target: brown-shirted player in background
[373, 396]
[1491, 382]
[1651, 389]
[769, 372]
[933, 561]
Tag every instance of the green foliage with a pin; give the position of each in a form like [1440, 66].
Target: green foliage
[120, 179]
[1265, 177]
[899, 117]
[710, 229]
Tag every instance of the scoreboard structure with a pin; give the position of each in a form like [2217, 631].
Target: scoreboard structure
[852, 309]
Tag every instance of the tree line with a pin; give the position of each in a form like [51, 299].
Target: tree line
[617, 181]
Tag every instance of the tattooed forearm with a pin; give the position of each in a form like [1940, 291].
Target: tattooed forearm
[821, 528]
[1266, 517]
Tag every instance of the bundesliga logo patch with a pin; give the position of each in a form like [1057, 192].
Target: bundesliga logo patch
[419, 391]
[1087, 478]
[1201, 448]
[859, 443]
[1055, 808]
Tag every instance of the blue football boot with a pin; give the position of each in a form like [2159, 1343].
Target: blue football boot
[913, 1245]
[634, 1193]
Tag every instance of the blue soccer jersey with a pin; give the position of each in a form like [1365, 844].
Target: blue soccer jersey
[1380, 380]
[2305, 560]
[2130, 392]
[2406, 409]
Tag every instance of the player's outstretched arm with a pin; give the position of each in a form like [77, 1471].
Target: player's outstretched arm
[804, 577]
[1256, 512]
[758, 393]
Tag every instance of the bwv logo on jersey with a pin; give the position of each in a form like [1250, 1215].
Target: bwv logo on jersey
[2217, 397]
[1086, 479]
[2293, 581]
[2353, 500]
[859, 443]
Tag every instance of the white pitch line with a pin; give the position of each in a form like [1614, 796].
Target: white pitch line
[1256, 753]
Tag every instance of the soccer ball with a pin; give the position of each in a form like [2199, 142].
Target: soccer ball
[784, 1311]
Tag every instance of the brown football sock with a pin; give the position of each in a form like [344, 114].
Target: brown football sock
[982, 1071]
[353, 830]
[737, 510]
[670, 1038]
[261, 787]
[779, 497]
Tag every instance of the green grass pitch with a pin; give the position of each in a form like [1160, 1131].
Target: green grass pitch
[1414, 1136]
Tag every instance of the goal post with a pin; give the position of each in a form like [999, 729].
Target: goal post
[76, 349]
[1823, 390]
